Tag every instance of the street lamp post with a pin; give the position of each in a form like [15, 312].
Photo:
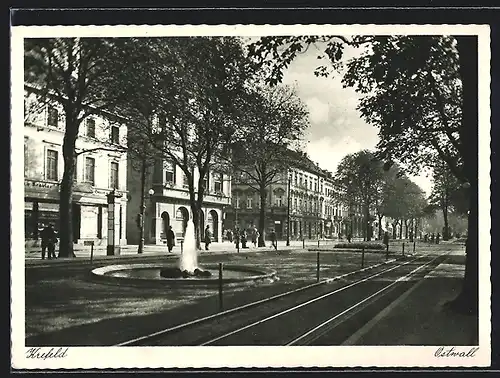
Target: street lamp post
[140, 220]
[288, 213]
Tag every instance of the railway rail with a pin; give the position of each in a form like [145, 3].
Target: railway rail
[303, 316]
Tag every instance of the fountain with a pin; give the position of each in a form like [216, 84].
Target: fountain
[185, 273]
[188, 263]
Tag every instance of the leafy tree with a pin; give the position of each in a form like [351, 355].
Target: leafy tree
[447, 193]
[359, 177]
[275, 121]
[77, 73]
[196, 88]
[421, 93]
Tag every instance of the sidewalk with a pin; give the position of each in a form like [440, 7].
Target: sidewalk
[33, 258]
[420, 314]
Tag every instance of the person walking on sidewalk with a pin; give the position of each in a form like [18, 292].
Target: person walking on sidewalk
[208, 237]
[386, 239]
[170, 239]
[272, 236]
[49, 240]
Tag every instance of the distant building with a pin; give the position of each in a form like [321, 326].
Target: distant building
[313, 209]
[168, 205]
[98, 171]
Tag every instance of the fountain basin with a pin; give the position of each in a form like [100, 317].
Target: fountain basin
[150, 275]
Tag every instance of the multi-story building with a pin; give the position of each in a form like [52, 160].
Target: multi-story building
[101, 167]
[167, 202]
[303, 196]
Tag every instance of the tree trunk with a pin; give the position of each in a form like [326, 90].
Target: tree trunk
[380, 216]
[367, 224]
[394, 230]
[406, 228]
[66, 191]
[142, 207]
[196, 210]
[467, 300]
[446, 227]
[262, 217]
[401, 230]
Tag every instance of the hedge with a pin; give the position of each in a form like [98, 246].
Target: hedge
[358, 245]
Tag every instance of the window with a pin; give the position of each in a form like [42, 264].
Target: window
[90, 170]
[52, 165]
[52, 116]
[206, 182]
[295, 203]
[185, 181]
[295, 178]
[169, 171]
[237, 201]
[249, 202]
[306, 183]
[113, 175]
[279, 200]
[218, 182]
[115, 134]
[90, 123]
[300, 204]
[300, 180]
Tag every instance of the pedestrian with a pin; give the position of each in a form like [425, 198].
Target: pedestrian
[49, 240]
[426, 237]
[386, 238]
[237, 238]
[254, 237]
[272, 236]
[349, 237]
[230, 236]
[208, 237]
[243, 237]
[432, 238]
[437, 238]
[170, 239]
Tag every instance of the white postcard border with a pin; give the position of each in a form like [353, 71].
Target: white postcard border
[234, 357]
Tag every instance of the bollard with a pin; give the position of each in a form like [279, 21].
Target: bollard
[317, 267]
[318, 243]
[91, 244]
[182, 246]
[413, 247]
[303, 243]
[221, 305]
[403, 249]
[387, 251]
[363, 257]
[237, 247]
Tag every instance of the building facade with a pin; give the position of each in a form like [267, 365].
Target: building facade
[101, 167]
[304, 196]
[166, 202]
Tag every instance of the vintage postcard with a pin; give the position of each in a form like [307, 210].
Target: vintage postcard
[238, 196]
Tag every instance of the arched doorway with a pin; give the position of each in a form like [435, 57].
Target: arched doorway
[182, 215]
[165, 223]
[213, 222]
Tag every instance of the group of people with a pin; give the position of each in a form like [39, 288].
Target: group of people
[433, 238]
[48, 236]
[242, 236]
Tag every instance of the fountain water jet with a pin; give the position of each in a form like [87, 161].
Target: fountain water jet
[189, 257]
[188, 262]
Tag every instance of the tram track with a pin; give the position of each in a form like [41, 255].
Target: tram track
[233, 327]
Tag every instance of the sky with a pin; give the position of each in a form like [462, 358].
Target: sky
[336, 127]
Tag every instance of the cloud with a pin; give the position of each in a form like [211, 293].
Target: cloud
[318, 111]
